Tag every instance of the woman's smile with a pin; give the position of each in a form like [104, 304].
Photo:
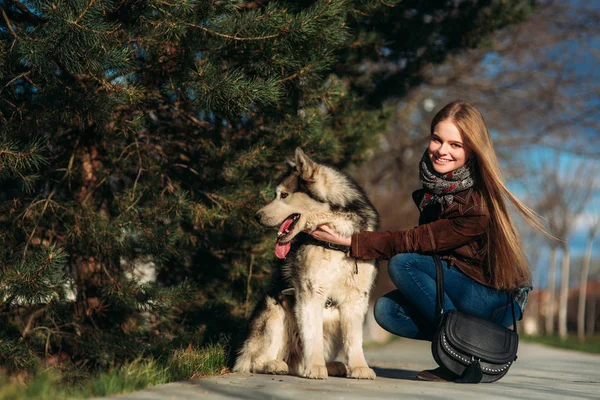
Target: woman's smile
[441, 160]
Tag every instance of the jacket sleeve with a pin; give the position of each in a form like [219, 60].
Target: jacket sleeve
[438, 236]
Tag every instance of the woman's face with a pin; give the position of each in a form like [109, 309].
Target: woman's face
[447, 149]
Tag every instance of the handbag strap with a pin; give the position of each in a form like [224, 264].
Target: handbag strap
[439, 283]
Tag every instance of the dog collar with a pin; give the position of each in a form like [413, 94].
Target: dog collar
[344, 249]
[339, 247]
[332, 246]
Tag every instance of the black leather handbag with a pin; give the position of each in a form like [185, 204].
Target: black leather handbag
[475, 349]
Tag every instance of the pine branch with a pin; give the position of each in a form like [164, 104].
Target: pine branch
[242, 39]
[21, 75]
[91, 3]
[31, 318]
[8, 23]
[296, 75]
[46, 203]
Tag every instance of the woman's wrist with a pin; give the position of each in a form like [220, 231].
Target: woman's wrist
[346, 241]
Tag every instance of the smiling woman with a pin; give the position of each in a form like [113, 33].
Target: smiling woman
[464, 220]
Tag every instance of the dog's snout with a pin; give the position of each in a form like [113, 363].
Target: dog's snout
[258, 216]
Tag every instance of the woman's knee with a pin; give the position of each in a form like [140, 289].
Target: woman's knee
[400, 264]
[389, 312]
[383, 310]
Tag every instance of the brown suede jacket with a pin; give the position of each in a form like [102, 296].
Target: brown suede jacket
[457, 232]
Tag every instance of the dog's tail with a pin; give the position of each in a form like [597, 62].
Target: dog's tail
[243, 362]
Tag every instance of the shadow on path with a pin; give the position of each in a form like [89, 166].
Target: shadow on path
[394, 373]
[253, 392]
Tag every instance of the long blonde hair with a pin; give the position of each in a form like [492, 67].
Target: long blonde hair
[507, 263]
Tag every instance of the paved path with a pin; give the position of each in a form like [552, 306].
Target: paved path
[539, 373]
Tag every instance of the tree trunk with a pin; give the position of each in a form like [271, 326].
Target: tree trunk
[591, 319]
[564, 294]
[90, 270]
[534, 306]
[549, 329]
[583, 290]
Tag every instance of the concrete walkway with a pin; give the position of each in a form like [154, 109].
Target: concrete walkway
[539, 373]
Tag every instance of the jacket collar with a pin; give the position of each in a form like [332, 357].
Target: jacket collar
[464, 196]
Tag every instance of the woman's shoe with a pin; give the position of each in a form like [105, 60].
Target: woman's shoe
[437, 375]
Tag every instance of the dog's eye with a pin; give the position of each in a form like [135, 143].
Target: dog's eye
[284, 195]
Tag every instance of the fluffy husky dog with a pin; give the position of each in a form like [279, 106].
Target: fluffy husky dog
[317, 302]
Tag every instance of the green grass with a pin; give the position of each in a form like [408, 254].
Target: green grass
[591, 344]
[136, 375]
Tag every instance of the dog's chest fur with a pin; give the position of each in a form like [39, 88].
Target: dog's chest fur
[329, 273]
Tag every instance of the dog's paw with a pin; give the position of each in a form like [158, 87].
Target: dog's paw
[277, 367]
[316, 372]
[361, 373]
[336, 368]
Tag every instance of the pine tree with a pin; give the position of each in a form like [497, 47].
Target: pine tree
[138, 133]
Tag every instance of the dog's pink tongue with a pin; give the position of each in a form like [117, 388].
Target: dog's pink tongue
[281, 249]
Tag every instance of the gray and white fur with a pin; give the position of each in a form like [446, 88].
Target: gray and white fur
[316, 304]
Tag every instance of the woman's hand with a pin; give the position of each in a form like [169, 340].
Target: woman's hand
[326, 234]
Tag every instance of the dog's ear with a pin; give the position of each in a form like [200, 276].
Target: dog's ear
[305, 166]
[291, 164]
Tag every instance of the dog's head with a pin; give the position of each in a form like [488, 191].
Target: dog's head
[309, 188]
[295, 199]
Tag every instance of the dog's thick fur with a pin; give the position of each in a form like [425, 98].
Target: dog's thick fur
[316, 305]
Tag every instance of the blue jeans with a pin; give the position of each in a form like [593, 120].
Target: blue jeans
[410, 310]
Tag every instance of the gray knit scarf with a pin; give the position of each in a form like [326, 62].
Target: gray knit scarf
[440, 188]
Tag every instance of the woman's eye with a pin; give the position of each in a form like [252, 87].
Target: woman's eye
[456, 145]
[284, 195]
